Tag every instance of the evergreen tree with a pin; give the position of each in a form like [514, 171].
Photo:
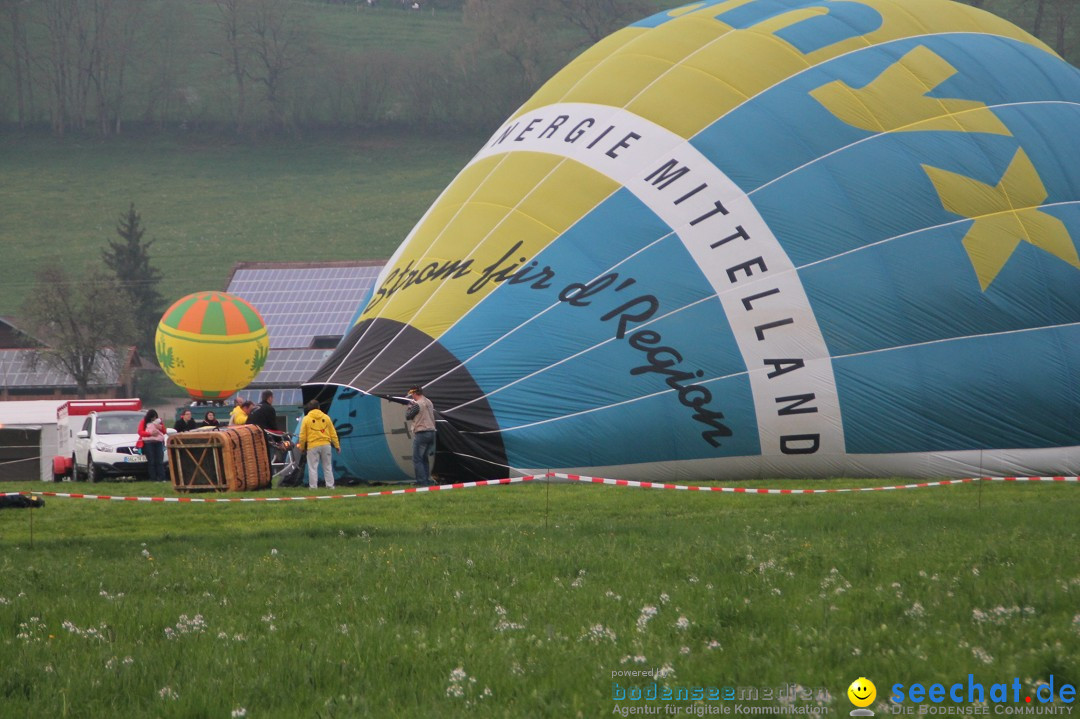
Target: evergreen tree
[129, 260]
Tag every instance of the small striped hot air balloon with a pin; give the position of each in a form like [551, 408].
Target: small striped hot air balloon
[211, 344]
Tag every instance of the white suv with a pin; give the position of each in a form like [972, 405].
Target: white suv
[105, 446]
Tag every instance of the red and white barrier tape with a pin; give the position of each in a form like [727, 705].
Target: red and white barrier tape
[753, 490]
[534, 478]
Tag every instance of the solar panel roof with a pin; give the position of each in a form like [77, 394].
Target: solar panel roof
[18, 369]
[300, 302]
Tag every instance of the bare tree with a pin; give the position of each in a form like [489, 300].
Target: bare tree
[234, 54]
[117, 27]
[19, 60]
[85, 322]
[599, 18]
[1061, 12]
[518, 30]
[277, 45]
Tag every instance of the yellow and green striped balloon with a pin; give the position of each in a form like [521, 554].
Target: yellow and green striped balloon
[211, 344]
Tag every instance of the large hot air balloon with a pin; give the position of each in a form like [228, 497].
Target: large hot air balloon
[745, 239]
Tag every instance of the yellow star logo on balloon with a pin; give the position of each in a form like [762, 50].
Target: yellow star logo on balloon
[1005, 215]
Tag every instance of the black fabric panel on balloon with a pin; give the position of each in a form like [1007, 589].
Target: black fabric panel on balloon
[380, 348]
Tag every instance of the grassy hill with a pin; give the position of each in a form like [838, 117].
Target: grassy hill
[207, 206]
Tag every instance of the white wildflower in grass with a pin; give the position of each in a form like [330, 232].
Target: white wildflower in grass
[647, 613]
[682, 623]
[189, 625]
[692, 579]
[665, 672]
[982, 655]
[168, 693]
[127, 661]
[712, 644]
[916, 611]
[598, 633]
[32, 630]
[49, 669]
[856, 652]
[238, 713]
[636, 659]
[458, 594]
[975, 571]
[1001, 615]
[110, 597]
[470, 563]
[344, 629]
[273, 552]
[612, 595]
[170, 633]
[4, 601]
[776, 591]
[579, 580]
[684, 650]
[833, 583]
[664, 598]
[111, 663]
[97, 632]
[458, 678]
[503, 624]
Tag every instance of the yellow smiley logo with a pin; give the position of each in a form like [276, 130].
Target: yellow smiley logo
[862, 692]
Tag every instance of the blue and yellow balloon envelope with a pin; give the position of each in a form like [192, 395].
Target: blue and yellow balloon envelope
[750, 238]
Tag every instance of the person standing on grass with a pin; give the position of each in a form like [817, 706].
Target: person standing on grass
[317, 434]
[152, 435]
[422, 414]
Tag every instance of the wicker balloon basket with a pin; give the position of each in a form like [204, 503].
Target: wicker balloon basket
[233, 459]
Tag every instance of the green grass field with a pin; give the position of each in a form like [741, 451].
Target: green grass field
[207, 206]
[522, 601]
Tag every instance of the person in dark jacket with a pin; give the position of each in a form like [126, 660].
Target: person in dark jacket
[264, 415]
[210, 420]
[185, 423]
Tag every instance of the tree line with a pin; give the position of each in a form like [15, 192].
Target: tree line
[258, 66]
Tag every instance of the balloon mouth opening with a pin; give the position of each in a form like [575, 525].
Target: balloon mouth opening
[386, 358]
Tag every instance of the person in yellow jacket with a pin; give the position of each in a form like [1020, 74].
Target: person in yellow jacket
[317, 434]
